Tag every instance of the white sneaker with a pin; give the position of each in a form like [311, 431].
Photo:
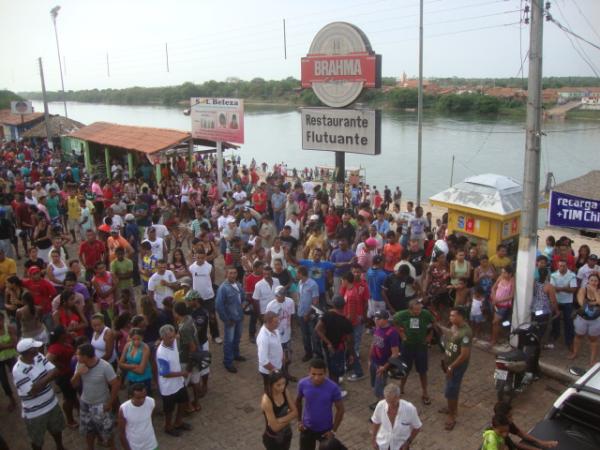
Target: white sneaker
[340, 380]
[344, 394]
[549, 346]
[219, 340]
[355, 377]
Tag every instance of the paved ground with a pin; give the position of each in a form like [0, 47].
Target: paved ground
[231, 417]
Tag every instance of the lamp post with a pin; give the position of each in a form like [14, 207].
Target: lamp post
[54, 13]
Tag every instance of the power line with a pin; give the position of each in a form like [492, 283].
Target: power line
[586, 19]
[572, 33]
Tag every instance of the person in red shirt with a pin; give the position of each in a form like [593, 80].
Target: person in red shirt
[392, 252]
[356, 295]
[332, 220]
[42, 291]
[254, 176]
[249, 284]
[563, 253]
[91, 251]
[259, 200]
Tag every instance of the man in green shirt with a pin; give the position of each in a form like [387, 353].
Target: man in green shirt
[458, 351]
[415, 326]
[122, 269]
[52, 202]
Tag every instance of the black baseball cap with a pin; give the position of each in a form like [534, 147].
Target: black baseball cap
[383, 314]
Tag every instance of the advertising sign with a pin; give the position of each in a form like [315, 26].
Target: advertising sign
[343, 130]
[340, 64]
[571, 211]
[217, 119]
[21, 107]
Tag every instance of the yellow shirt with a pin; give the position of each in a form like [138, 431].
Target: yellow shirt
[315, 241]
[500, 263]
[8, 267]
[73, 208]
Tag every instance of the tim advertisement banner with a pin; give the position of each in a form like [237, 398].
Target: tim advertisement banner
[571, 211]
[218, 119]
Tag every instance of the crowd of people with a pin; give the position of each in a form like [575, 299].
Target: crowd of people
[126, 281]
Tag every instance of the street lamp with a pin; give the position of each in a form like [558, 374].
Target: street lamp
[54, 13]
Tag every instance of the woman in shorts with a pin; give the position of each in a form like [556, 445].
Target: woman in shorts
[587, 321]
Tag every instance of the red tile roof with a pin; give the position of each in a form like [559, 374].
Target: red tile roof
[8, 118]
[141, 139]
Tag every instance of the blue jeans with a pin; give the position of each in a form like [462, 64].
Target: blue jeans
[279, 220]
[307, 329]
[377, 383]
[357, 332]
[231, 342]
[336, 363]
[567, 311]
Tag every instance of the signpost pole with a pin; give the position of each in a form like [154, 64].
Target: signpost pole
[220, 168]
[420, 106]
[46, 114]
[340, 167]
[531, 176]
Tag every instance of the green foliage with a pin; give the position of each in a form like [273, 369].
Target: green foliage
[6, 97]
[514, 82]
[468, 103]
[403, 98]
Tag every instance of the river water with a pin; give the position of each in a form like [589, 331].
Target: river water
[273, 134]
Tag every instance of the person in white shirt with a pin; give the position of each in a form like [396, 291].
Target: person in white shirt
[135, 420]
[162, 231]
[162, 284]
[309, 188]
[565, 284]
[268, 343]
[395, 421]
[203, 275]
[32, 375]
[294, 225]
[264, 290]
[158, 246]
[285, 308]
[171, 382]
[586, 270]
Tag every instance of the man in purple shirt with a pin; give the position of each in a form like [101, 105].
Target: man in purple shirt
[320, 394]
[386, 345]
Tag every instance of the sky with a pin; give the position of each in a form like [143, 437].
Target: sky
[215, 40]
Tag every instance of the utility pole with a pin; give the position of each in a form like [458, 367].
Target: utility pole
[531, 176]
[420, 106]
[46, 115]
[54, 13]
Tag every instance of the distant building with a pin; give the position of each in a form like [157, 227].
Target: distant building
[591, 101]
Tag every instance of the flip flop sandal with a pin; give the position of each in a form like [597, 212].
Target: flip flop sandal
[426, 400]
[443, 410]
[450, 425]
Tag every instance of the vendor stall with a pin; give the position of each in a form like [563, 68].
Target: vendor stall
[485, 208]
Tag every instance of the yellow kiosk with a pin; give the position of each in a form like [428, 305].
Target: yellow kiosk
[486, 209]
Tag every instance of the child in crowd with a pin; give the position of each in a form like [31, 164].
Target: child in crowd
[476, 317]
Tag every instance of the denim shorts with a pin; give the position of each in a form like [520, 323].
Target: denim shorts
[477, 318]
[503, 313]
[453, 383]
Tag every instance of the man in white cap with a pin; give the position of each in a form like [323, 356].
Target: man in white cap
[284, 307]
[32, 375]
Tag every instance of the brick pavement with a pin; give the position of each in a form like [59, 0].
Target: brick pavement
[231, 418]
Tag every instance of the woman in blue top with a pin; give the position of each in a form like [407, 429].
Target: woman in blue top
[135, 360]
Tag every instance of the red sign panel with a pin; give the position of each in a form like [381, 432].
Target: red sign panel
[358, 67]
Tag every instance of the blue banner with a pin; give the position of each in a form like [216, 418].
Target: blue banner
[571, 211]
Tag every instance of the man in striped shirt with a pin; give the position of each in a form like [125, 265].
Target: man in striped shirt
[32, 375]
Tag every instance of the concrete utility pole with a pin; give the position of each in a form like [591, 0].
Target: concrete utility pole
[531, 176]
[54, 14]
[46, 115]
[420, 106]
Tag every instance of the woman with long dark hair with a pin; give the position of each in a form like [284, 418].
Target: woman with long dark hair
[69, 315]
[135, 360]
[29, 317]
[41, 237]
[279, 410]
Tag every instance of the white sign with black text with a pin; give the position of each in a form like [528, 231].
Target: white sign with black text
[341, 130]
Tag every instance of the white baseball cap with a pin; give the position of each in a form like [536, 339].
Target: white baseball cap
[27, 344]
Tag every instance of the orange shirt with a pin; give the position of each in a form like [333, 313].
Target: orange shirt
[391, 256]
[113, 243]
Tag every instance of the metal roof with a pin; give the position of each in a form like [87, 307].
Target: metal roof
[491, 193]
[141, 139]
[8, 118]
[58, 125]
[584, 186]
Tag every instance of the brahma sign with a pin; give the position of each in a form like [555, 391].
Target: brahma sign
[340, 64]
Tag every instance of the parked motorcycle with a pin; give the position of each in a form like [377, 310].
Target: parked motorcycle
[516, 368]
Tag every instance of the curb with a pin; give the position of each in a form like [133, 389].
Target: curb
[550, 370]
